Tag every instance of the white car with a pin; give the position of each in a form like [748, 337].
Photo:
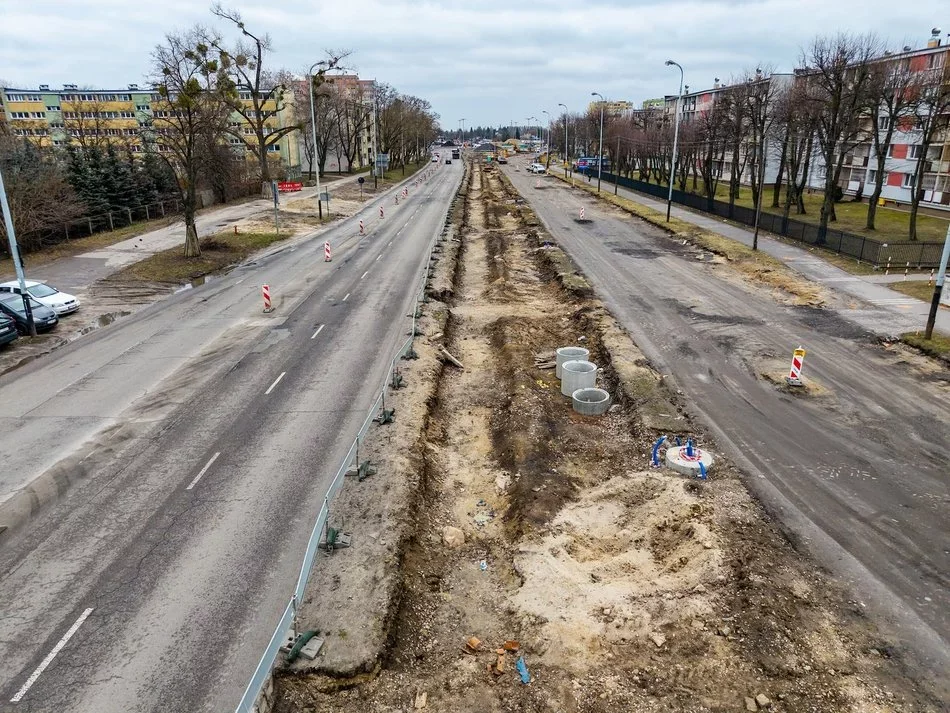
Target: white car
[60, 302]
[537, 168]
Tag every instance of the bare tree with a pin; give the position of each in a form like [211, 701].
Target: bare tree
[40, 197]
[795, 121]
[839, 84]
[712, 134]
[892, 97]
[84, 122]
[761, 95]
[195, 96]
[931, 116]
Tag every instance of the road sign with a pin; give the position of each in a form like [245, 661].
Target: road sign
[361, 180]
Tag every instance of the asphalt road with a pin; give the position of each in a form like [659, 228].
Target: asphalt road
[199, 438]
[859, 475]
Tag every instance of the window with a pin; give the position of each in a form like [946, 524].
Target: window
[908, 181]
[58, 142]
[19, 115]
[56, 125]
[52, 108]
[37, 114]
[40, 132]
[127, 114]
[113, 132]
[130, 132]
[135, 148]
[141, 107]
[274, 148]
[16, 98]
[70, 115]
[884, 122]
[125, 97]
[914, 151]
[872, 175]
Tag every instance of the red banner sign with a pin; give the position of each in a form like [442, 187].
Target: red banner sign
[289, 186]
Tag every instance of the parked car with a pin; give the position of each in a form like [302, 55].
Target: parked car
[537, 168]
[60, 302]
[7, 330]
[43, 317]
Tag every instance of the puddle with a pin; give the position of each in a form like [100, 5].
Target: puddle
[197, 282]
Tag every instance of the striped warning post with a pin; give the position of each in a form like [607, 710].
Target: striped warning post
[582, 213]
[326, 251]
[362, 231]
[405, 192]
[380, 211]
[794, 377]
[265, 289]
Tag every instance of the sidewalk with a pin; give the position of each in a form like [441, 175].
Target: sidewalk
[894, 314]
[78, 272]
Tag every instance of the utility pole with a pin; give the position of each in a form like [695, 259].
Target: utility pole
[617, 168]
[758, 203]
[676, 134]
[15, 255]
[938, 287]
[316, 149]
[375, 138]
[600, 150]
[566, 159]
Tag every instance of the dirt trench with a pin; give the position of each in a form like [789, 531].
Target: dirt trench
[624, 588]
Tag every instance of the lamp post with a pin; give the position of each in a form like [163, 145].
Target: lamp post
[547, 163]
[15, 256]
[313, 129]
[566, 159]
[532, 118]
[600, 151]
[461, 133]
[676, 132]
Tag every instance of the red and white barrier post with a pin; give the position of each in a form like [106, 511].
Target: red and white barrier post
[405, 192]
[794, 377]
[362, 231]
[380, 211]
[265, 289]
[582, 213]
[326, 251]
[930, 282]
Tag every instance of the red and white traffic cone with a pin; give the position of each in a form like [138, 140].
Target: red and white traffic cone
[380, 211]
[326, 251]
[362, 231]
[794, 377]
[267, 304]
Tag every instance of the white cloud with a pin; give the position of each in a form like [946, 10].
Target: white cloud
[489, 61]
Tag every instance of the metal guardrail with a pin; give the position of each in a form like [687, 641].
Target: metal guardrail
[289, 618]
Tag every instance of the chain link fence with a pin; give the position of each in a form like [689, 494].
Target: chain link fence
[915, 253]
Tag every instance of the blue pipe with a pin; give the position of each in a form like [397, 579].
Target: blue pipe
[689, 447]
[702, 471]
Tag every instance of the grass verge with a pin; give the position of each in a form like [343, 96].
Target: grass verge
[938, 346]
[915, 288]
[217, 253]
[87, 244]
[761, 267]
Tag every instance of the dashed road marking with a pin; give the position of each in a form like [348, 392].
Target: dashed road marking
[50, 656]
[364, 274]
[203, 470]
[377, 258]
[276, 381]
[347, 297]
[319, 329]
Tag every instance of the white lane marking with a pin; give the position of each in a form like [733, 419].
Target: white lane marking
[364, 274]
[347, 297]
[319, 329]
[50, 656]
[203, 470]
[276, 381]
[390, 244]
[377, 258]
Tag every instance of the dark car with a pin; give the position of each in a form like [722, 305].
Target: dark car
[448, 160]
[43, 317]
[7, 329]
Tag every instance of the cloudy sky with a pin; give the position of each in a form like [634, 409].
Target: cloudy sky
[489, 61]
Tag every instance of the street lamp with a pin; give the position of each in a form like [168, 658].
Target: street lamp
[533, 118]
[676, 132]
[462, 132]
[566, 159]
[547, 163]
[600, 154]
[15, 256]
[313, 129]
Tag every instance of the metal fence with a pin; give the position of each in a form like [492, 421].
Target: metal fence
[288, 620]
[914, 253]
[89, 224]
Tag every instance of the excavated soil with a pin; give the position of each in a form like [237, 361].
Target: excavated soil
[624, 588]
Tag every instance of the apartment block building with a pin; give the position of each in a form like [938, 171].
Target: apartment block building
[351, 101]
[58, 117]
[859, 172]
[618, 107]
